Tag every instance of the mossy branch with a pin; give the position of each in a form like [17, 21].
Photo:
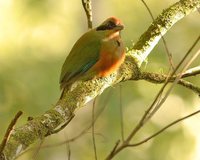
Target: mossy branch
[160, 26]
[161, 78]
[82, 92]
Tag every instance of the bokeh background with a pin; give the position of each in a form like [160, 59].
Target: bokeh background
[35, 38]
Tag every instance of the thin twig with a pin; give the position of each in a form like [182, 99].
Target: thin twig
[87, 5]
[121, 112]
[191, 72]
[166, 49]
[8, 131]
[148, 114]
[174, 83]
[161, 78]
[69, 151]
[68, 148]
[93, 135]
[190, 86]
[114, 148]
[172, 74]
[34, 157]
[163, 39]
[163, 129]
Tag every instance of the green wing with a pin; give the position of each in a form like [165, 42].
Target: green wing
[84, 54]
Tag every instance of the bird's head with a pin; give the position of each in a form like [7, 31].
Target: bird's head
[110, 27]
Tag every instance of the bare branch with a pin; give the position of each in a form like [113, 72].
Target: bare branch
[121, 113]
[34, 157]
[93, 135]
[191, 72]
[87, 5]
[148, 114]
[125, 145]
[112, 153]
[161, 78]
[68, 148]
[174, 83]
[9, 130]
[163, 129]
[157, 103]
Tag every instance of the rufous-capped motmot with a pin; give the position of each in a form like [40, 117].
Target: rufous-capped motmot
[98, 53]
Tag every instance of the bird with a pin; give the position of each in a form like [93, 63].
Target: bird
[98, 53]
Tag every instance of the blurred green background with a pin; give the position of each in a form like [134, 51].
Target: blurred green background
[35, 38]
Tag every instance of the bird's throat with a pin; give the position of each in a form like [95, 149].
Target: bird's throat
[112, 36]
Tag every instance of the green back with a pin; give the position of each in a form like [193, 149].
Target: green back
[84, 54]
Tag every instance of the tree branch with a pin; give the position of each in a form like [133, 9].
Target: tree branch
[82, 92]
[163, 39]
[87, 5]
[161, 78]
[9, 129]
[163, 129]
[160, 26]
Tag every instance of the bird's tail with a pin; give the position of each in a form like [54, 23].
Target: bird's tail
[62, 93]
[63, 87]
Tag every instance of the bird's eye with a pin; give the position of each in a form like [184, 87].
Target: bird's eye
[111, 25]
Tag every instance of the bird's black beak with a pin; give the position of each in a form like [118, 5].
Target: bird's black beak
[119, 27]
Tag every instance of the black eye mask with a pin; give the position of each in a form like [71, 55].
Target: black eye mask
[110, 25]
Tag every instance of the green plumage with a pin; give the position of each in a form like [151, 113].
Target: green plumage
[84, 54]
